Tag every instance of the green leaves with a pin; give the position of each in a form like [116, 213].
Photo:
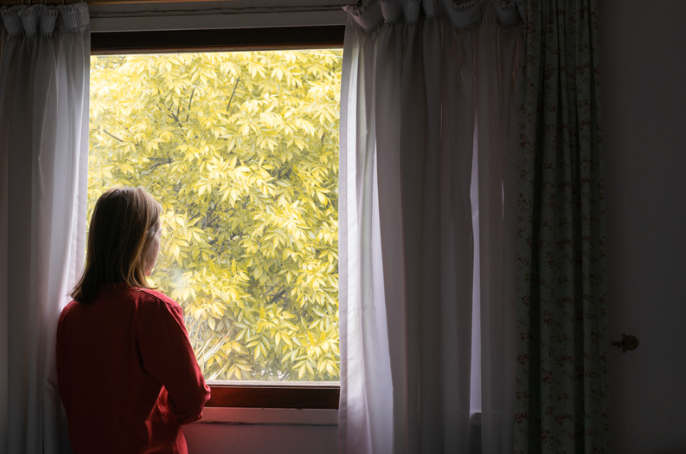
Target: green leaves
[241, 150]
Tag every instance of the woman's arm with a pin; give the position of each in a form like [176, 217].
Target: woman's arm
[167, 354]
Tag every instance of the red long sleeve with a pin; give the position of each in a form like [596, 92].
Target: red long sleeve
[127, 373]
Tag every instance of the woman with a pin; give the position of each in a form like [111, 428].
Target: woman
[127, 374]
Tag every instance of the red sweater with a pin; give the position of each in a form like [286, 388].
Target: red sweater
[127, 374]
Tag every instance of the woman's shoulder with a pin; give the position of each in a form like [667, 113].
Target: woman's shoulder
[68, 309]
[150, 296]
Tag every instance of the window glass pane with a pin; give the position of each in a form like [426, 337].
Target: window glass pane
[241, 150]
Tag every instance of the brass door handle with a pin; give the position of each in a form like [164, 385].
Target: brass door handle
[627, 343]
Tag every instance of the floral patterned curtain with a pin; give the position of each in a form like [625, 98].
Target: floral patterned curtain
[561, 379]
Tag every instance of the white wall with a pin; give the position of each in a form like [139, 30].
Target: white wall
[264, 431]
[643, 61]
[260, 439]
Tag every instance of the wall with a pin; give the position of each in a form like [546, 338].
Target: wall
[644, 101]
[263, 431]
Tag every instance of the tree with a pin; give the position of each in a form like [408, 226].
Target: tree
[241, 150]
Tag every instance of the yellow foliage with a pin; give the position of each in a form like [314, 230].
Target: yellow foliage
[241, 150]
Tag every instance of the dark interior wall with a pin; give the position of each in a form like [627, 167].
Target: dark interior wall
[643, 61]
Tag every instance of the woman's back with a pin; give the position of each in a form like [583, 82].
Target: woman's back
[127, 373]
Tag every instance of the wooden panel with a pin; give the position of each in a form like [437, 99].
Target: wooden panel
[218, 40]
[282, 396]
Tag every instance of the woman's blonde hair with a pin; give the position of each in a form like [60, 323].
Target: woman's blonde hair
[123, 225]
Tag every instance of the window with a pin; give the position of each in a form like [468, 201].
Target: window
[241, 150]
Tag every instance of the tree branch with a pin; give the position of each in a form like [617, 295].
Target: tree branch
[171, 115]
[156, 165]
[279, 295]
[112, 135]
[189, 104]
[208, 218]
[228, 106]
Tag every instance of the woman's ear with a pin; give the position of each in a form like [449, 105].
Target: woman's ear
[152, 253]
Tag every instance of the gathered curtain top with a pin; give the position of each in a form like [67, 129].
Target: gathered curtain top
[461, 15]
[43, 20]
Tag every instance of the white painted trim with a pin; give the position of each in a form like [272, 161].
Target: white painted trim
[195, 22]
[213, 15]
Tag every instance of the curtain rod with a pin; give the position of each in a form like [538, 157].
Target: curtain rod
[4, 3]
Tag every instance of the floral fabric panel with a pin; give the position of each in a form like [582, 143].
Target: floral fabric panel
[561, 376]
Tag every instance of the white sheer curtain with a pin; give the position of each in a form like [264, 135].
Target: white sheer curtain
[427, 228]
[44, 67]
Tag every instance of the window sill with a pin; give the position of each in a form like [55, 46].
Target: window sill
[268, 417]
[307, 395]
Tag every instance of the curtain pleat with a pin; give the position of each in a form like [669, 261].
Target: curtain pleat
[496, 181]
[562, 371]
[44, 79]
[427, 258]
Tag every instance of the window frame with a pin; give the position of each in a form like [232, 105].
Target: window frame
[295, 395]
[209, 40]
